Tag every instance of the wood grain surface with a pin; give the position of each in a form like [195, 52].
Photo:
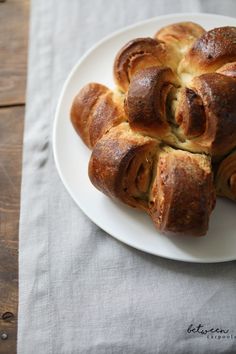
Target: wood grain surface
[13, 63]
[11, 131]
[13, 47]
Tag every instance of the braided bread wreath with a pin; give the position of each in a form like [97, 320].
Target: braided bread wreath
[164, 140]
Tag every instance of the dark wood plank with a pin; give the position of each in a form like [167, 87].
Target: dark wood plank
[13, 51]
[13, 58]
[11, 131]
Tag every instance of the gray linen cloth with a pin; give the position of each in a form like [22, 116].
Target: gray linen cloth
[80, 290]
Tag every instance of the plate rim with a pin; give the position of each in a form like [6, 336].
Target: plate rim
[56, 120]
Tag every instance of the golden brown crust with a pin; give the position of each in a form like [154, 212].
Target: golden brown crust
[82, 106]
[228, 69]
[182, 194]
[212, 50]
[109, 112]
[146, 100]
[138, 54]
[204, 115]
[226, 177]
[218, 94]
[121, 165]
[180, 35]
[94, 111]
[180, 90]
[174, 187]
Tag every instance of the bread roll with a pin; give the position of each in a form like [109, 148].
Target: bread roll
[201, 117]
[138, 54]
[174, 113]
[214, 107]
[146, 102]
[95, 109]
[226, 177]
[212, 50]
[182, 196]
[174, 187]
[180, 36]
[121, 165]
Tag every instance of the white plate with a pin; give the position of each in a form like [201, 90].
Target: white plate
[71, 156]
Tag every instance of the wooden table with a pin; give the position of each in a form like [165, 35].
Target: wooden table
[13, 62]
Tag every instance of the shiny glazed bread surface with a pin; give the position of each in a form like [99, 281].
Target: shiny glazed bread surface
[174, 110]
